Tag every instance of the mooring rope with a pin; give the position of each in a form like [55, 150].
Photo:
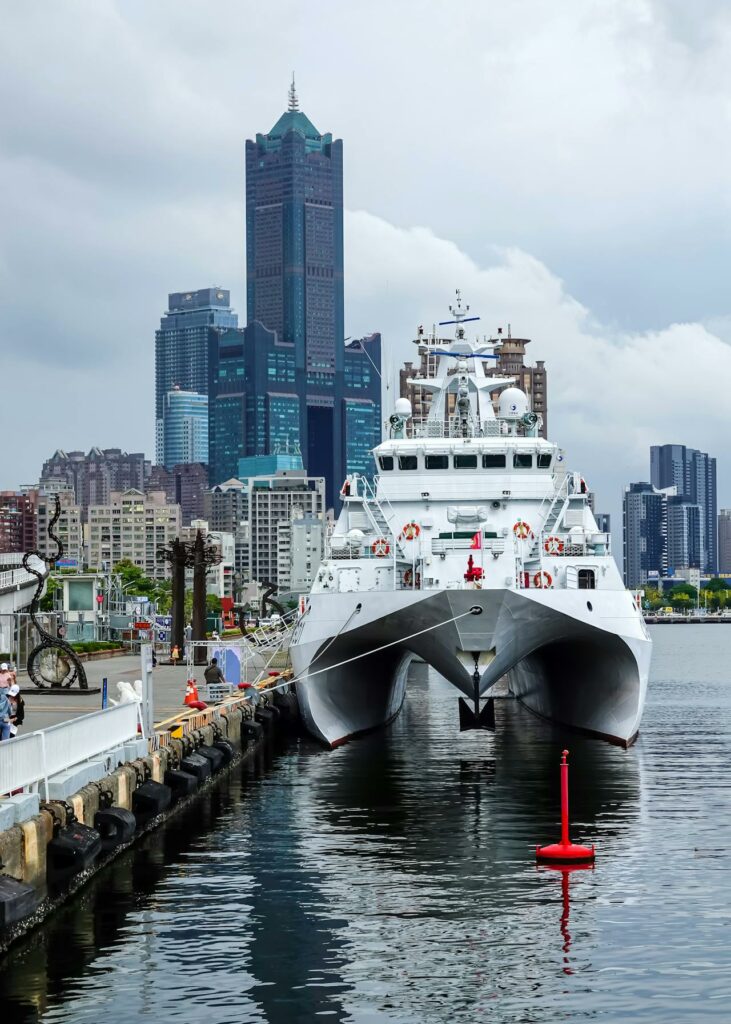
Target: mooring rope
[474, 610]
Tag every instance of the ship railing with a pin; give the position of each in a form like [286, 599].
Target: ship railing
[381, 513]
[420, 428]
[562, 545]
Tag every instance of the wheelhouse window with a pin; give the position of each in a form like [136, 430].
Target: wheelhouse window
[543, 460]
[407, 462]
[587, 579]
[522, 460]
[493, 461]
[465, 462]
[385, 461]
[437, 461]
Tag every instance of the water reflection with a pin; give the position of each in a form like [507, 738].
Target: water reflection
[395, 880]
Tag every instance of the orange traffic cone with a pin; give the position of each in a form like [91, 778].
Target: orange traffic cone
[191, 693]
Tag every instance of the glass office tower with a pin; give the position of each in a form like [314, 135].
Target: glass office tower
[181, 343]
[254, 406]
[294, 288]
[693, 473]
[183, 430]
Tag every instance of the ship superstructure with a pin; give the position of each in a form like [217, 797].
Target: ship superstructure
[476, 550]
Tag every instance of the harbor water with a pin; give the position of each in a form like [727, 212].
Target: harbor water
[394, 879]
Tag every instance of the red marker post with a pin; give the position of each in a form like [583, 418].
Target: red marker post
[565, 851]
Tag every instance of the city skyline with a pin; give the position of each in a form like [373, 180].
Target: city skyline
[113, 236]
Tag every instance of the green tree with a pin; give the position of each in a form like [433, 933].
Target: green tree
[134, 581]
[164, 596]
[681, 602]
[685, 589]
[47, 602]
[653, 599]
[715, 585]
[213, 604]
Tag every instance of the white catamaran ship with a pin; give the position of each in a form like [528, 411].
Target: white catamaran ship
[477, 551]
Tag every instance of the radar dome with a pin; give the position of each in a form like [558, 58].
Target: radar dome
[402, 407]
[356, 537]
[512, 404]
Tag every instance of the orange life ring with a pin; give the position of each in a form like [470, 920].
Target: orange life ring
[409, 579]
[381, 548]
[543, 580]
[522, 530]
[553, 545]
[411, 531]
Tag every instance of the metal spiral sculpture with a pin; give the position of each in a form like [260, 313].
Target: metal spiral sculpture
[65, 668]
[268, 600]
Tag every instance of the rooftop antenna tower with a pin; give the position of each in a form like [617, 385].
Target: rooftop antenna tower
[293, 101]
[459, 314]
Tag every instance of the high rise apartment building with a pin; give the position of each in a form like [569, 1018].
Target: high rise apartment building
[510, 362]
[182, 431]
[69, 529]
[184, 485]
[17, 521]
[644, 521]
[683, 527]
[133, 526]
[294, 288]
[181, 342]
[290, 494]
[301, 547]
[724, 541]
[94, 476]
[227, 510]
[693, 474]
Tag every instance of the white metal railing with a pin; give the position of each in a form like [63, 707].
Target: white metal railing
[11, 558]
[14, 578]
[27, 760]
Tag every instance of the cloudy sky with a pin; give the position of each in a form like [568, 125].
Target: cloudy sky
[566, 164]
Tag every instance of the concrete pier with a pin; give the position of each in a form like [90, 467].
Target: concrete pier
[115, 778]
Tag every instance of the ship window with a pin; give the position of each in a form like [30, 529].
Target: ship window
[587, 579]
[522, 460]
[437, 462]
[493, 461]
[465, 462]
[544, 460]
[385, 461]
[407, 462]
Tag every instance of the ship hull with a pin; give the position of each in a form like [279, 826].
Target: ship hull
[578, 658]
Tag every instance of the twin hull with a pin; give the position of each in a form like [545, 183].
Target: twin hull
[577, 657]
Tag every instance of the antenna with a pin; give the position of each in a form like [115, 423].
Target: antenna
[293, 101]
[459, 314]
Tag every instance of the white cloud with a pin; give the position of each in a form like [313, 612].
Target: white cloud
[593, 135]
[611, 394]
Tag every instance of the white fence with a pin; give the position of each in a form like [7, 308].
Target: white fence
[30, 759]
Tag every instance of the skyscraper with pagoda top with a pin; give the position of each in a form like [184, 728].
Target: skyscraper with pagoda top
[294, 288]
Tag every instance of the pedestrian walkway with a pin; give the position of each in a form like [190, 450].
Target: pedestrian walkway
[44, 707]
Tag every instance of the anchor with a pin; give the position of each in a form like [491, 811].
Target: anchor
[477, 719]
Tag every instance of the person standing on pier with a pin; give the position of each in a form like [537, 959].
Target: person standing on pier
[5, 710]
[17, 709]
[214, 674]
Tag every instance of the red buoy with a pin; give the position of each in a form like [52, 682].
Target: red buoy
[565, 851]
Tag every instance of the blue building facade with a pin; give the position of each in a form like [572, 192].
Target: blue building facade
[255, 406]
[268, 465]
[181, 343]
[693, 473]
[183, 430]
[294, 288]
